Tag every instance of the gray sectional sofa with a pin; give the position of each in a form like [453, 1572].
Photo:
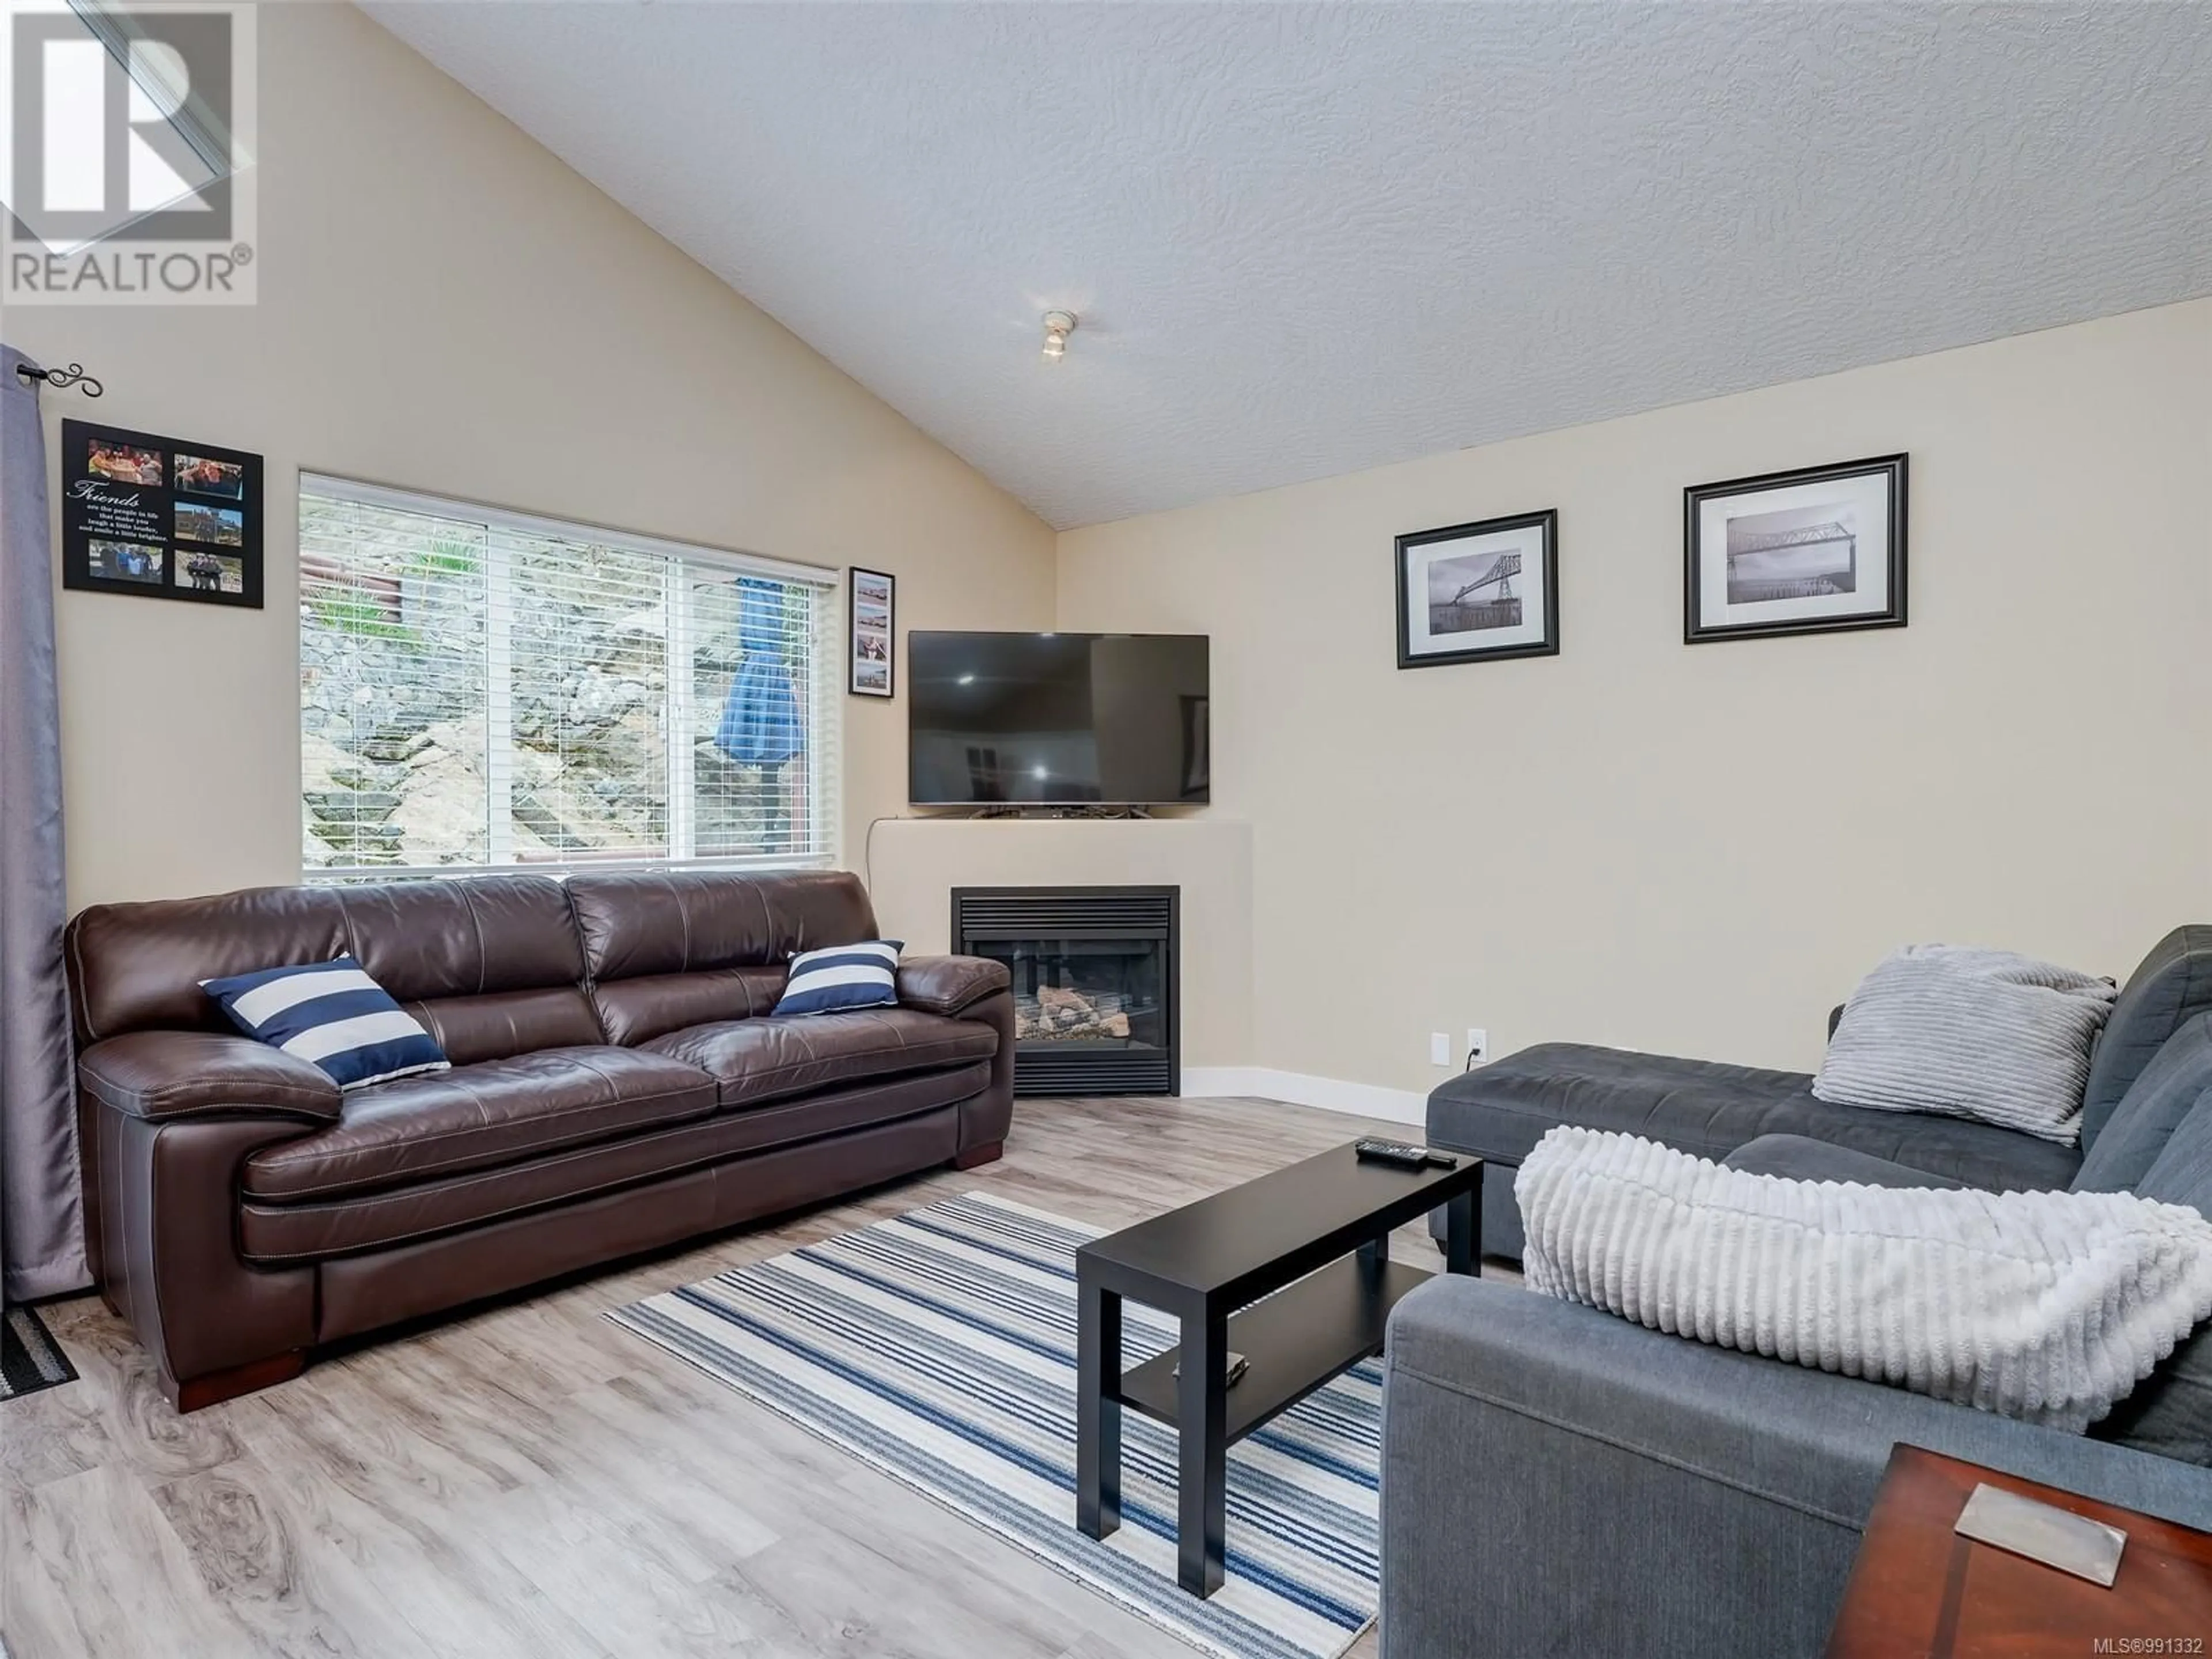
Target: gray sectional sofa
[1557, 1481]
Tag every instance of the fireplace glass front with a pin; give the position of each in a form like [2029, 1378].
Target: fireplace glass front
[1094, 983]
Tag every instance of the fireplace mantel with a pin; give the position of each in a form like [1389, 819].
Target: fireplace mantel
[915, 864]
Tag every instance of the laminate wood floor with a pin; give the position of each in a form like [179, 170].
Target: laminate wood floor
[533, 1482]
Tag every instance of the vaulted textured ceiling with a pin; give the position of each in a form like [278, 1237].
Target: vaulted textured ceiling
[1306, 240]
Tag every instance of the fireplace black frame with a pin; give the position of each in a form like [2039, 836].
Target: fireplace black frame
[981, 915]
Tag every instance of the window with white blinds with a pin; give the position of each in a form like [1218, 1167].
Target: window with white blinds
[483, 690]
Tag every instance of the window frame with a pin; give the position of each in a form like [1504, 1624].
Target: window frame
[825, 724]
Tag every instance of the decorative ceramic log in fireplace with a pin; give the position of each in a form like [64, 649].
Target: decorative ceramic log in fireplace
[1094, 981]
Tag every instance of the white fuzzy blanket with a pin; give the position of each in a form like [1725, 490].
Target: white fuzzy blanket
[2046, 1306]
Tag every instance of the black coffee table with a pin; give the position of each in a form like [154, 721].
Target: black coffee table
[1321, 1227]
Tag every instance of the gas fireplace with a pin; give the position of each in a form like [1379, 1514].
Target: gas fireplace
[1094, 981]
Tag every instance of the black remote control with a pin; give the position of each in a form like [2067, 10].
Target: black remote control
[1238, 1365]
[1406, 1156]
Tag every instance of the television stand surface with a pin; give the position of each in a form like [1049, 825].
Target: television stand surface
[1013, 810]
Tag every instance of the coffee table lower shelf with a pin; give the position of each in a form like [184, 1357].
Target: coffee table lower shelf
[1293, 1272]
[1294, 1342]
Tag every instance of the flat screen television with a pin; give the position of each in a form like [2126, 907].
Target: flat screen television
[1057, 719]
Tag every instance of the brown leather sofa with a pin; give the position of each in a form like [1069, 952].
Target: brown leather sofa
[616, 1086]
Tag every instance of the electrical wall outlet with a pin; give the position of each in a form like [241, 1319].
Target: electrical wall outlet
[1439, 1048]
[1478, 1045]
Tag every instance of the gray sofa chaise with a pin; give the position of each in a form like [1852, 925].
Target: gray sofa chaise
[1714, 1109]
[1557, 1481]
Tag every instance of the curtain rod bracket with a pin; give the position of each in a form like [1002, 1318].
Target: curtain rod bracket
[60, 378]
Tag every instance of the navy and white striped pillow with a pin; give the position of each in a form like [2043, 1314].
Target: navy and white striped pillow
[843, 977]
[333, 1014]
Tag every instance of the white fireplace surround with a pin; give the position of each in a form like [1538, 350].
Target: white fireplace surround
[913, 864]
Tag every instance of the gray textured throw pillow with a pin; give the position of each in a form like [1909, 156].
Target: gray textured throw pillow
[1969, 1033]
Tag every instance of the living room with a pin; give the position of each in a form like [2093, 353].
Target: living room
[547, 558]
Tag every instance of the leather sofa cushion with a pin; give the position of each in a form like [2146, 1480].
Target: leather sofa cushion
[287, 1233]
[423, 939]
[364, 1293]
[504, 1022]
[134, 966]
[137, 966]
[1701, 1106]
[490, 963]
[499, 1112]
[638, 1009]
[680, 921]
[762, 1060]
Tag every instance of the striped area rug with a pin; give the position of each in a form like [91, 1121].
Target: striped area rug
[940, 1347]
[30, 1358]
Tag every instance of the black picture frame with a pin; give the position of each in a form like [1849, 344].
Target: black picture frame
[862, 677]
[1546, 525]
[1699, 628]
[145, 534]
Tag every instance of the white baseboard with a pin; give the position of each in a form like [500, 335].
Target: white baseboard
[1360, 1099]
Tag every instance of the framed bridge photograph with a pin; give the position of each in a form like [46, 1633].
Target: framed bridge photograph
[1471, 592]
[1806, 552]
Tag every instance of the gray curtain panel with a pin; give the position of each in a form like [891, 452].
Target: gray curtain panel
[41, 1208]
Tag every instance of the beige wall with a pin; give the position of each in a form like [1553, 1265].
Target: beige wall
[1690, 849]
[1700, 849]
[444, 306]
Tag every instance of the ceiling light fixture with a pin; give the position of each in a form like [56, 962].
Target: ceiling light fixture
[1058, 325]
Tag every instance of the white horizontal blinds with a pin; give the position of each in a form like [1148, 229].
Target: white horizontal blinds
[393, 738]
[584, 772]
[554, 696]
[749, 667]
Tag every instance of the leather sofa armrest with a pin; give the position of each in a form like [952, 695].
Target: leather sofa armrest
[949, 985]
[163, 1075]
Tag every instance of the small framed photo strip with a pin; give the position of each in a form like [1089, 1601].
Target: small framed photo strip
[1812, 551]
[1472, 593]
[871, 605]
